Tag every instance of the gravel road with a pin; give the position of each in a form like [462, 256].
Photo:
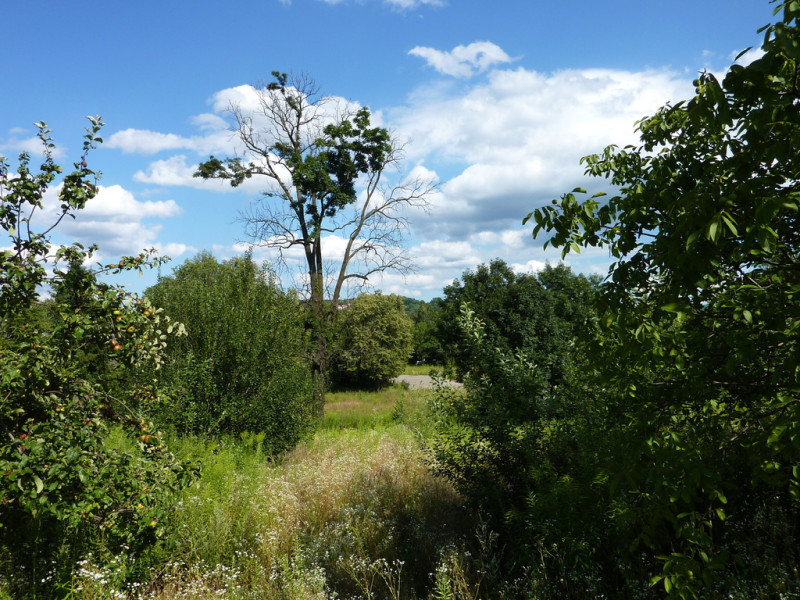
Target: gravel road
[416, 382]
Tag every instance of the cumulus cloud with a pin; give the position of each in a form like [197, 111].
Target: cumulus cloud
[175, 170]
[532, 266]
[411, 4]
[445, 254]
[143, 141]
[19, 141]
[217, 135]
[397, 4]
[116, 221]
[178, 170]
[514, 141]
[463, 61]
[498, 148]
[748, 56]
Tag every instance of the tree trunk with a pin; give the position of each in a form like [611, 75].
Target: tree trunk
[320, 327]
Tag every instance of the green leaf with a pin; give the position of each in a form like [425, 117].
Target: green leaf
[713, 229]
[38, 483]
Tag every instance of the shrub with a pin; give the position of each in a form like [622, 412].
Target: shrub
[373, 343]
[539, 314]
[64, 492]
[240, 366]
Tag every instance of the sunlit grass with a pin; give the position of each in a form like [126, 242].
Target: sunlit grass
[351, 513]
[369, 409]
[421, 369]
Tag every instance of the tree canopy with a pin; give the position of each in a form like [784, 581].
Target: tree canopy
[241, 366]
[702, 314]
[373, 342]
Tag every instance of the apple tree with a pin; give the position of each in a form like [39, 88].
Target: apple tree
[65, 489]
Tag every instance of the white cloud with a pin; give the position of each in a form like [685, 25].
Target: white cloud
[171, 171]
[498, 148]
[209, 122]
[410, 4]
[514, 141]
[16, 144]
[398, 4]
[179, 171]
[143, 141]
[532, 266]
[445, 254]
[174, 249]
[116, 221]
[463, 61]
[751, 55]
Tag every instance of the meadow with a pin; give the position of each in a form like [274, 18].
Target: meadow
[352, 512]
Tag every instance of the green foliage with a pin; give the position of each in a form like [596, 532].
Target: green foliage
[702, 319]
[373, 343]
[240, 366]
[427, 349]
[63, 382]
[516, 341]
[537, 314]
[327, 161]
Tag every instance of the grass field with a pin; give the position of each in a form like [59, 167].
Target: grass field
[351, 513]
[362, 409]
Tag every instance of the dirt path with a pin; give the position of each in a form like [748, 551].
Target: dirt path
[416, 382]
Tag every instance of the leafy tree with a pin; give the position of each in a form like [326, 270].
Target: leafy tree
[526, 451]
[426, 346]
[374, 341]
[533, 313]
[65, 490]
[317, 157]
[240, 366]
[702, 320]
[517, 347]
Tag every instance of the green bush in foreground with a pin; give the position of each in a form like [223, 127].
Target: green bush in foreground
[65, 493]
[701, 328]
[240, 367]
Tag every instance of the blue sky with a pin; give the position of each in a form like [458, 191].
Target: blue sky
[498, 100]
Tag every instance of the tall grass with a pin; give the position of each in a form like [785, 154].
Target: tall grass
[422, 369]
[351, 513]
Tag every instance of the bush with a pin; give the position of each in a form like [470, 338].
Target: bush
[522, 440]
[241, 365]
[64, 381]
[373, 344]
